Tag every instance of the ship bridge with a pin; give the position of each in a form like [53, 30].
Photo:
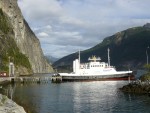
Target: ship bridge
[94, 59]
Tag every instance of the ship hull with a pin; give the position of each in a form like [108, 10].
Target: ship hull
[99, 78]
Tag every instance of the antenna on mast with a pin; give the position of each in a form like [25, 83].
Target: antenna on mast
[108, 57]
[79, 56]
[147, 55]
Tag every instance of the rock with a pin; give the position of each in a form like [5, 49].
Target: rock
[137, 87]
[25, 39]
[8, 106]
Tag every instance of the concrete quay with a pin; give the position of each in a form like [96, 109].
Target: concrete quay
[25, 79]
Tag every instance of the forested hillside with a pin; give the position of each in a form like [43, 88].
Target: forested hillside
[127, 49]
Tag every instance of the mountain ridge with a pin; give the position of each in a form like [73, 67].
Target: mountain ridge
[127, 49]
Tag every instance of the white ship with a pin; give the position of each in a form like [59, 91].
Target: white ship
[94, 70]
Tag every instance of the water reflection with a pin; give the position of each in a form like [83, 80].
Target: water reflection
[78, 97]
[95, 96]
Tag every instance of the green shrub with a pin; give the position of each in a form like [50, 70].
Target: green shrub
[4, 26]
[147, 67]
[145, 77]
[4, 98]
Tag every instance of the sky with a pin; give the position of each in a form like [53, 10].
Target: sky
[65, 26]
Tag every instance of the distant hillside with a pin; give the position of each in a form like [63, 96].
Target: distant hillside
[127, 49]
[51, 59]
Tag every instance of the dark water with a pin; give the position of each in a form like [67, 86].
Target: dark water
[79, 97]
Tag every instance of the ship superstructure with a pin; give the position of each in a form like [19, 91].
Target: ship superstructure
[95, 70]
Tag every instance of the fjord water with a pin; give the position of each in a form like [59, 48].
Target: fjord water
[80, 97]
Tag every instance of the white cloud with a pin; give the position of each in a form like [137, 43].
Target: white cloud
[42, 34]
[72, 24]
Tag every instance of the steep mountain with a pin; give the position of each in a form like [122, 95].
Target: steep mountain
[127, 49]
[19, 42]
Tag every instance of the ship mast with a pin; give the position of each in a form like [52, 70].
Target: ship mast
[79, 58]
[79, 62]
[108, 57]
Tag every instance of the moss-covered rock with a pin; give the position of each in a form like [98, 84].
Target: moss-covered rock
[141, 86]
[136, 88]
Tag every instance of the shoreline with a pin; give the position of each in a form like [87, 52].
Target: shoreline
[7, 105]
[4, 82]
[137, 87]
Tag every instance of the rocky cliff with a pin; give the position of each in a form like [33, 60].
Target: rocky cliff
[25, 39]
